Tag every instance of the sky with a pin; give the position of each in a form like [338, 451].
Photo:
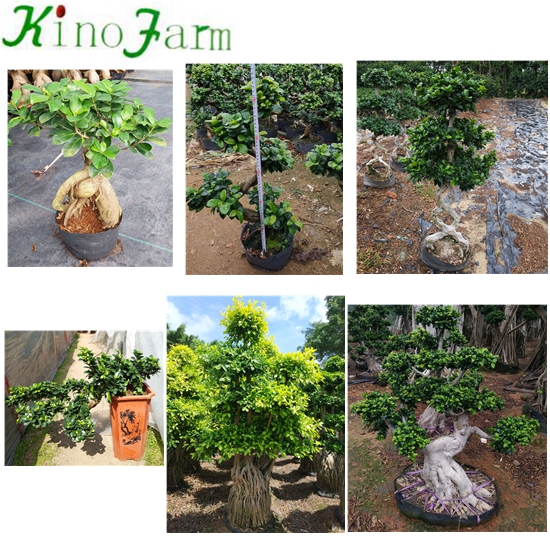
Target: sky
[287, 316]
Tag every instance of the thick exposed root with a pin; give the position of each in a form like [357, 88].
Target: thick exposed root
[330, 472]
[249, 503]
[79, 188]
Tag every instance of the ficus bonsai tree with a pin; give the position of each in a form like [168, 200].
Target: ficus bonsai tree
[327, 160]
[186, 411]
[329, 405]
[40, 404]
[449, 149]
[221, 196]
[374, 113]
[98, 119]
[435, 370]
[258, 409]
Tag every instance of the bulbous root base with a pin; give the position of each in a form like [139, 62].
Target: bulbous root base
[330, 470]
[249, 502]
[416, 500]
[80, 189]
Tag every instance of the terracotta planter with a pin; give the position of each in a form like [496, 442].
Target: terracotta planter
[129, 420]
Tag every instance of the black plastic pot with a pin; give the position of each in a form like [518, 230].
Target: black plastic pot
[210, 144]
[201, 132]
[305, 146]
[413, 510]
[270, 130]
[435, 263]
[369, 182]
[282, 123]
[396, 165]
[327, 135]
[90, 246]
[293, 132]
[276, 262]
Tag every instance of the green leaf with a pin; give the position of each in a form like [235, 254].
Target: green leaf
[150, 114]
[127, 112]
[71, 148]
[38, 98]
[14, 122]
[157, 141]
[145, 150]
[16, 95]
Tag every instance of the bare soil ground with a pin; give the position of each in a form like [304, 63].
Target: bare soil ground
[297, 508]
[521, 478]
[391, 223]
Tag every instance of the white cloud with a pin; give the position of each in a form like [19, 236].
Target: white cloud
[309, 308]
[200, 325]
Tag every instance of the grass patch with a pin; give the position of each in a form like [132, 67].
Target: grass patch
[369, 260]
[154, 449]
[426, 191]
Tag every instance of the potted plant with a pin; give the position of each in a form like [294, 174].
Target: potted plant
[223, 197]
[448, 149]
[121, 381]
[435, 371]
[375, 114]
[99, 120]
[326, 160]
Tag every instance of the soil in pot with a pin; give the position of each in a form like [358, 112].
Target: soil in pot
[278, 251]
[85, 236]
[445, 253]
[415, 500]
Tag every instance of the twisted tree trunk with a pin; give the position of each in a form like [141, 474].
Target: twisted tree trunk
[445, 477]
[79, 189]
[249, 502]
[180, 463]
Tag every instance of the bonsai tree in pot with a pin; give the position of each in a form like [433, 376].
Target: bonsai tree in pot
[258, 410]
[434, 370]
[448, 150]
[374, 112]
[99, 120]
[109, 376]
[221, 196]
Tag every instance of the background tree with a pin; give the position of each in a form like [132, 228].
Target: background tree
[329, 406]
[186, 411]
[180, 336]
[328, 337]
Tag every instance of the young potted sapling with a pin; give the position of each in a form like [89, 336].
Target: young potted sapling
[99, 120]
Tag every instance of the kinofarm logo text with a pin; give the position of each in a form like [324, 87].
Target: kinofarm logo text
[112, 35]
